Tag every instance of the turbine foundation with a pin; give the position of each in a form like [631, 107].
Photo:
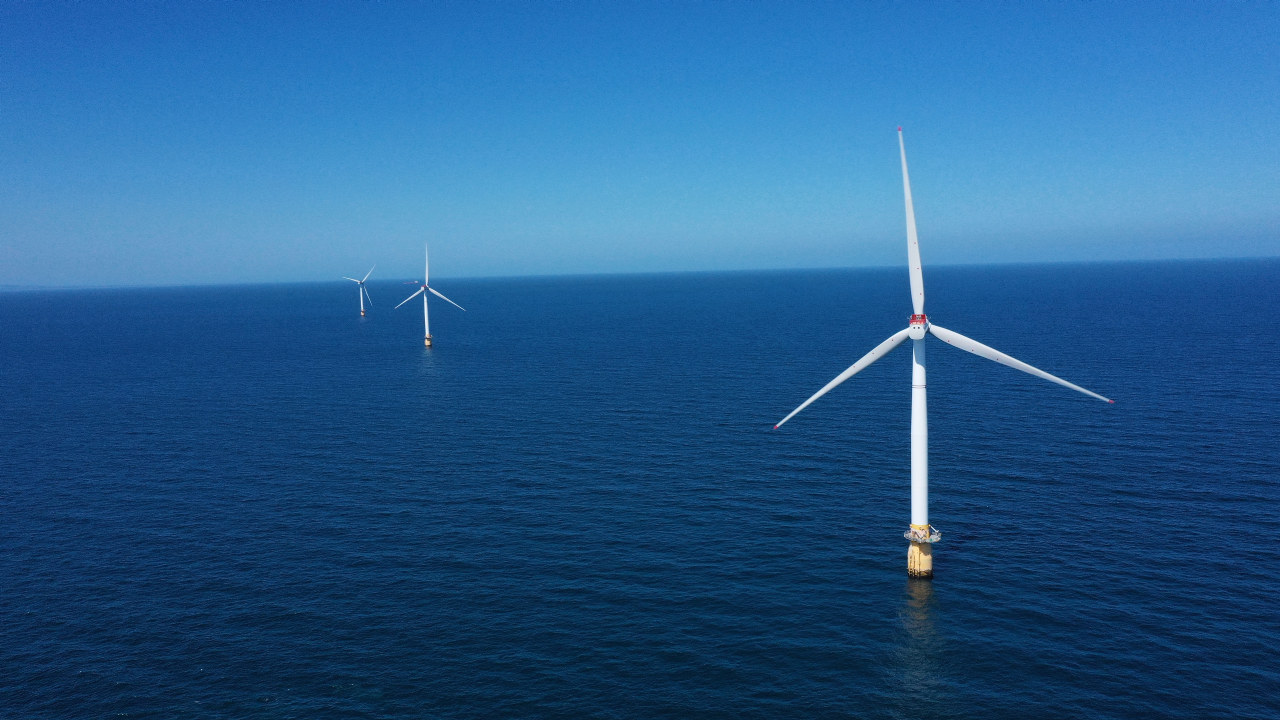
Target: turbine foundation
[920, 552]
[920, 560]
[427, 341]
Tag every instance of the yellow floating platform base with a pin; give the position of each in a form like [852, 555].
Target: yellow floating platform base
[427, 341]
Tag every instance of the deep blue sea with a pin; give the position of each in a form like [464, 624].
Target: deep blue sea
[230, 502]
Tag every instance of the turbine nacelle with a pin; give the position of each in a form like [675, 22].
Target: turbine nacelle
[918, 327]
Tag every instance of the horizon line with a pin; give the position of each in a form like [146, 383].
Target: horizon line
[54, 288]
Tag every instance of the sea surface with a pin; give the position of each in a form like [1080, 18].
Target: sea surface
[233, 502]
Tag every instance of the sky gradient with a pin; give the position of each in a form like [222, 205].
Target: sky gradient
[192, 143]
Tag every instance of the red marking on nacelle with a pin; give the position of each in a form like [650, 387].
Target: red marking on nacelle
[919, 319]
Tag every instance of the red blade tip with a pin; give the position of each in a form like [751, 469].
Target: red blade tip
[1113, 402]
[775, 427]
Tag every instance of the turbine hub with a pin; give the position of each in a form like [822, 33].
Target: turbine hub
[919, 324]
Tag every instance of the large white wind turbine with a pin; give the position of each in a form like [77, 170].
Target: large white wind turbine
[364, 293]
[921, 533]
[426, 288]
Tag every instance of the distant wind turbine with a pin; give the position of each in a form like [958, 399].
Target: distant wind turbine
[364, 293]
[921, 533]
[426, 287]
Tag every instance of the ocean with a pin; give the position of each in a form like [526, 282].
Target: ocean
[248, 501]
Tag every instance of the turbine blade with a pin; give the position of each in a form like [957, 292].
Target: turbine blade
[411, 297]
[366, 275]
[957, 340]
[426, 266]
[344, 277]
[876, 353]
[366, 294]
[433, 292]
[913, 242]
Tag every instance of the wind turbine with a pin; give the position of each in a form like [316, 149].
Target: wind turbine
[426, 274]
[364, 293]
[921, 534]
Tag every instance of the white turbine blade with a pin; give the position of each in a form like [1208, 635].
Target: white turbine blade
[411, 297]
[426, 266]
[875, 354]
[913, 242]
[957, 340]
[433, 292]
[344, 277]
[366, 294]
[366, 275]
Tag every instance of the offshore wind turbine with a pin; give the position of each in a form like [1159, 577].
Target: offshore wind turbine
[423, 290]
[921, 534]
[364, 293]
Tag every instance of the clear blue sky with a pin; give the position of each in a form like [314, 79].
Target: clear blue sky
[175, 143]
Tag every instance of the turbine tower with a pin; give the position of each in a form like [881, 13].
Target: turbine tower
[921, 534]
[423, 290]
[364, 293]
